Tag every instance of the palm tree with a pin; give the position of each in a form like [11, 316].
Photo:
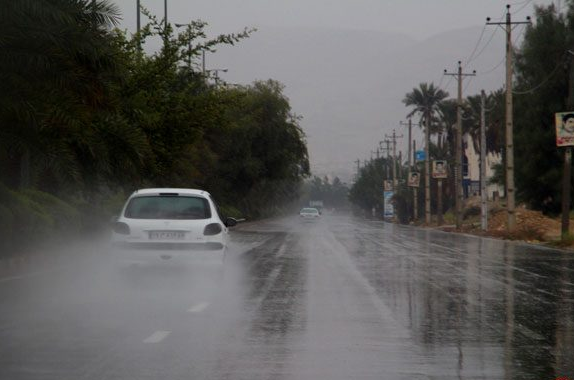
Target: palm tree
[425, 101]
[56, 71]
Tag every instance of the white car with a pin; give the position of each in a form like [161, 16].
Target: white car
[170, 223]
[309, 213]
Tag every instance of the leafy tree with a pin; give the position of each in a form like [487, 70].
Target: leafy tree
[541, 89]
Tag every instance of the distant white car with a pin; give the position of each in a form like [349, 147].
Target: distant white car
[309, 213]
[167, 223]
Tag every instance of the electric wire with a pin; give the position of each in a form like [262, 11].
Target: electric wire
[544, 81]
[471, 56]
[524, 6]
[467, 84]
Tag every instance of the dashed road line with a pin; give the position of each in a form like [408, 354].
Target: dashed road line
[157, 337]
[198, 308]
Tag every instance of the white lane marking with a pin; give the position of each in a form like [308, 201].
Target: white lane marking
[157, 337]
[198, 308]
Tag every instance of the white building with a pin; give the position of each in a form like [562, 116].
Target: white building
[472, 179]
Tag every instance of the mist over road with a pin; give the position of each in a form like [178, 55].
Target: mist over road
[340, 298]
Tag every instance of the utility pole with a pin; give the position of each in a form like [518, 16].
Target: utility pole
[567, 173]
[483, 194]
[410, 154]
[458, 178]
[415, 189]
[165, 13]
[509, 152]
[388, 150]
[394, 138]
[138, 18]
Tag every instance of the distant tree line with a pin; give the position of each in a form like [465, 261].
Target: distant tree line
[87, 116]
[541, 88]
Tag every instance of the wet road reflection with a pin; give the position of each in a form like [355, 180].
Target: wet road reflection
[340, 298]
[497, 309]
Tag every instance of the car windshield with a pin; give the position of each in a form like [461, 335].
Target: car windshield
[168, 207]
[309, 211]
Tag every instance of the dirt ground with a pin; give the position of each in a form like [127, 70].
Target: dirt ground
[532, 226]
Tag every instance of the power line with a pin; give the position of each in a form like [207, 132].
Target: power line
[524, 6]
[541, 83]
[467, 84]
[471, 56]
[494, 68]
[485, 46]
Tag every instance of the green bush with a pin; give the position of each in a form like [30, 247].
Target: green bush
[28, 217]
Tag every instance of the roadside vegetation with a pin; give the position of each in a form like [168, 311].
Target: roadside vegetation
[88, 116]
[541, 88]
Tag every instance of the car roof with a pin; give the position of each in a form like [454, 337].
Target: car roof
[161, 190]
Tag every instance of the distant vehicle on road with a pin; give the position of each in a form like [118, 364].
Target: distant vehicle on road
[309, 213]
[166, 223]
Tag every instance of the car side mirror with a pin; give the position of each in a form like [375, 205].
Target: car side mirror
[230, 222]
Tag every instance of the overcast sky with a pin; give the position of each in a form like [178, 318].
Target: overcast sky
[416, 18]
[376, 105]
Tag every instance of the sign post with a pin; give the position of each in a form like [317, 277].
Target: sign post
[439, 172]
[565, 138]
[414, 182]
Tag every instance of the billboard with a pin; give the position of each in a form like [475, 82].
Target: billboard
[564, 122]
[387, 185]
[420, 155]
[439, 169]
[414, 179]
[389, 208]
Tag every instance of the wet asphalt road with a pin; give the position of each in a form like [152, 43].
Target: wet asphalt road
[342, 298]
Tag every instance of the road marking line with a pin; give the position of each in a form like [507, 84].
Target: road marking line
[198, 308]
[157, 337]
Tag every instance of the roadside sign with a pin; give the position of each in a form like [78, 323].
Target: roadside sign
[420, 155]
[414, 179]
[387, 185]
[439, 169]
[389, 208]
[564, 122]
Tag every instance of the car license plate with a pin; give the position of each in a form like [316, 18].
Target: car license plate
[166, 235]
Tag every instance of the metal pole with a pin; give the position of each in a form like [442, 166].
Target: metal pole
[566, 178]
[416, 203]
[483, 193]
[439, 202]
[567, 174]
[410, 139]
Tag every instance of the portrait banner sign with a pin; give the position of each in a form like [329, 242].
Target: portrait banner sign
[389, 207]
[414, 179]
[387, 185]
[564, 128]
[439, 169]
